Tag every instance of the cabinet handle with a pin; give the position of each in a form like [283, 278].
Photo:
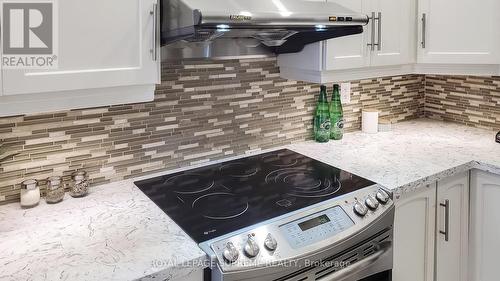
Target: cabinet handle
[372, 39]
[154, 47]
[446, 231]
[379, 42]
[424, 31]
[372, 43]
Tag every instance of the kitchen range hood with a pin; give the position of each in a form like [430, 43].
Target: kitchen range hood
[251, 28]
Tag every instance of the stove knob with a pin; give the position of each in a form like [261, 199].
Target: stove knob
[371, 202]
[230, 253]
[360, 209]
[270, 243]
[382, 196]
[251, 247]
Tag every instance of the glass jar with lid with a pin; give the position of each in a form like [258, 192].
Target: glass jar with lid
[30, 193]
[55, 190]
[79, 185]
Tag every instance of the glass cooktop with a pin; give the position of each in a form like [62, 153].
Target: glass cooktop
[211, 201]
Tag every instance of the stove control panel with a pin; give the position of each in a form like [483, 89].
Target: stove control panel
[316, 227]
[300, 233]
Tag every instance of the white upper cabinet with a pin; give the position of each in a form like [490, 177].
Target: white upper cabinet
[459, 31]
[351, 51]
[394, 31]
[103, 46]
[388, 39]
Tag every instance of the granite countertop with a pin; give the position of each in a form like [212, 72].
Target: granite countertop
[117, 233]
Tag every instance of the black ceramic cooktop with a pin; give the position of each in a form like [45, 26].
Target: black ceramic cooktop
[215, 200]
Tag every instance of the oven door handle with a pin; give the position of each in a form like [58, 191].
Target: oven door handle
[384, 247]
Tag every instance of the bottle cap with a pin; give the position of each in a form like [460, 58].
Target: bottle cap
[323, 87]
[336, 86]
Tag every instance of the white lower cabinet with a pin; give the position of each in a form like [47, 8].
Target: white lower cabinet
[431, 232]
[452, 225]
[414, 237]
[485, 226]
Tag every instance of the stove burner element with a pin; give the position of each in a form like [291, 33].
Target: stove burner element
[189, 183]
[280, 160]
[238, 170]
[210, 206]
[304, 183]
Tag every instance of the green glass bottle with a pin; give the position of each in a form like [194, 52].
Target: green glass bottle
[336, 115]
[322, 118]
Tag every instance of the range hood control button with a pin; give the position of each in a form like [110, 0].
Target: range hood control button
[270, 243]
[382, 196]
[251, 247]
[371, 202]
[360, 209]
[230, 253]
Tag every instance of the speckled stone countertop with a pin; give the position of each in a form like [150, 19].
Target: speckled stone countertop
[117, 233]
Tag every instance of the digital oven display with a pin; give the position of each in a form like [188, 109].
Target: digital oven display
[317, 221]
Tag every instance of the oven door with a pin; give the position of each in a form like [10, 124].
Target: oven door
[375, 267]
[367, 260]
[365, 256]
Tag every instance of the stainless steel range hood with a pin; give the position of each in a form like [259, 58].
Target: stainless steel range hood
[250, 28]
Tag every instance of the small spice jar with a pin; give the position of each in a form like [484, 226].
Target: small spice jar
[30, 193]
[55, 190]
[79, 186]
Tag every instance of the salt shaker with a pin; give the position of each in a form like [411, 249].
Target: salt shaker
[55, 190]
[30, 193]
[79, 186]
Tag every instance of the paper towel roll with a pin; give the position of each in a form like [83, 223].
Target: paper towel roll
[370, 121]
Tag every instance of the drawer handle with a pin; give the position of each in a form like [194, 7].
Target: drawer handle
[446, 231]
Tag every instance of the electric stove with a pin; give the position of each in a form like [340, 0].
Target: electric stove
[281, 216]
[215, 200]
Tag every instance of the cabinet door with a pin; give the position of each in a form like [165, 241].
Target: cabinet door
[101, 44]
[459, 31]
[452, 228]
[414, 236]
[350, 51]
[485, 226]
[394, 31]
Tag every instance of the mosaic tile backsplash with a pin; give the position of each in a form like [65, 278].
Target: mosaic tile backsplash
[203, 111]
[470, 100]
